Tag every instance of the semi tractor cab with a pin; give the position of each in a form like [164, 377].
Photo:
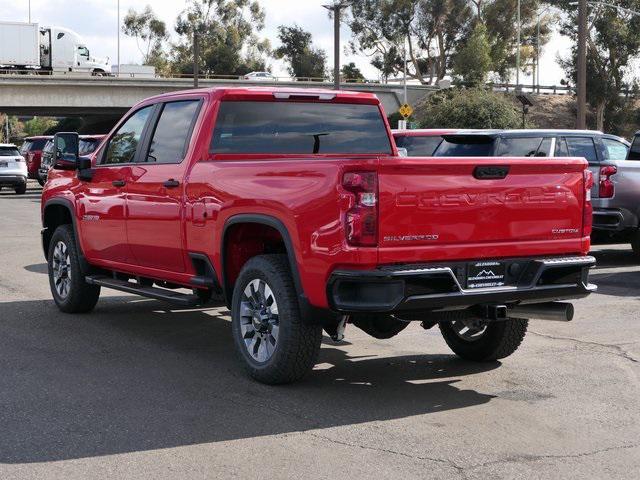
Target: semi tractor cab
[27, 46]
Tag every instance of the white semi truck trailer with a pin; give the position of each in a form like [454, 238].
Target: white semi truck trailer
[29, 47]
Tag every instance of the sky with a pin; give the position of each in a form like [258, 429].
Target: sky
[97, 22]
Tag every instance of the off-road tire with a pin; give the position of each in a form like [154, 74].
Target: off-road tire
[21, 189]
[499, 340]
[82, 297]
[298, 342]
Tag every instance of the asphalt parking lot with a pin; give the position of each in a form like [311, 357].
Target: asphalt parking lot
[134, 390]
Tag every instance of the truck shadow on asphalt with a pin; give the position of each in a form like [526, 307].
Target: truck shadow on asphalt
[133, 376]
[621, 283]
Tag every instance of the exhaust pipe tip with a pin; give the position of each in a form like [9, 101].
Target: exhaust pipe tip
[554, 311]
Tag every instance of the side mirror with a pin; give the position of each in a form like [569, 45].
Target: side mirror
[66, 147]
[634, 151]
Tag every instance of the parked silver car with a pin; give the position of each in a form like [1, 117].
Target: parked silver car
[616, 206]
[13, 168]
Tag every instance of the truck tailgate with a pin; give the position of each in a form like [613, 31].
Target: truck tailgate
[462, 208]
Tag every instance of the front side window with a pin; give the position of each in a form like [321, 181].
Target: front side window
[419, 146]
[26, 146]
[614, 150]
[522, 147]
[124, 143]
[84, 51]
[173, 132]
[299, 128]
[88, 145]
[582, 147]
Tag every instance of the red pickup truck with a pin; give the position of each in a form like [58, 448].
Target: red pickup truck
[293, 208]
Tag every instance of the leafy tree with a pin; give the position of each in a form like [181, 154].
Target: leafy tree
[613, 41]
[468, 108]
[150, 33]
[433, 30]
[351, 73]
[473, 61]
[297, 50]
[429, 30]
[38, 125]
[228, 37]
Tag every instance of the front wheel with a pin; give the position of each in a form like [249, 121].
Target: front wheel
[484, 341]
[41, 181]
[275, 344]
[66, 279]
[21, 189]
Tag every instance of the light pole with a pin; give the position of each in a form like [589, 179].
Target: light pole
[29, 11]
[519, 28]
[118, 55]
[336, 8]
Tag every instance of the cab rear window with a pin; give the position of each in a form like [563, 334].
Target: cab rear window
[246, 127]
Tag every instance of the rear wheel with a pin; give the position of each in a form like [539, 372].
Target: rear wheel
[66, 279]
[275, 344]
[40, 181]
[21, 189]
[484, 341]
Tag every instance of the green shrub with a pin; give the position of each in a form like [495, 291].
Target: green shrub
[469, 108]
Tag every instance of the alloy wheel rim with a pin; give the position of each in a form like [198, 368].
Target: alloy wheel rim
[61, 266]
[469, 330]
[259, 320]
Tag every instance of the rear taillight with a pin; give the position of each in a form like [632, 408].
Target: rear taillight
[587, 218]
[361, 219]
[606, 187]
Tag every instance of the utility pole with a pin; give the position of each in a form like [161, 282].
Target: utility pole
[196, 57]
[336, 8]
[518, 50]
[118, 55]
[581, 120]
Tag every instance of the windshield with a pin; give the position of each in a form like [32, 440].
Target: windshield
[299, 128]
[9, 152]
[419, 146]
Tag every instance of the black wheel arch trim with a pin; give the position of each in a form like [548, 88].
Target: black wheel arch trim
[69, 206]
[309, 312]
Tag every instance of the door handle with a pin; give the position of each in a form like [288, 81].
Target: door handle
[118, 183]
[171, 183]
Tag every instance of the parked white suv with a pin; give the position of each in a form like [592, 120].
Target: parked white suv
[13, 168]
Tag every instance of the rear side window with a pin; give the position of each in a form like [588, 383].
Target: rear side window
[9, 152]
[582, 147]
[419, 146]
[299, 128]
[524, 147]
[614, 150]
[124, 143]
[173, 132]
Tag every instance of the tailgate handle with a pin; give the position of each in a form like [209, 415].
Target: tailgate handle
[491, 172]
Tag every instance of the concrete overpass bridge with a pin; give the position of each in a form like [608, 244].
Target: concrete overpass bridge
[71, 95]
